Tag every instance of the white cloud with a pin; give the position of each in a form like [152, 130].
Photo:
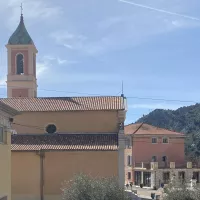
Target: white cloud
[3, 80]
[126, 29]
[49, 59]
[41, 68]
[32, 9]
[156, 106]
[68, 40]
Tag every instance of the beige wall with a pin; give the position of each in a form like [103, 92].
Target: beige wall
[127, 152]
[79, 121]
[58, 166]
[5, 167]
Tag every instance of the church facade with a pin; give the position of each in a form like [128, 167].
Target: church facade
[58, 137]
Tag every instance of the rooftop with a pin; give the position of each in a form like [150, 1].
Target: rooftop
[146, 129]
[45, 104]
[21, 35]
[7, 109]
[65, 142]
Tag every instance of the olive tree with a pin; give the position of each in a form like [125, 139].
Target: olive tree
[181, 191]
[83, 187]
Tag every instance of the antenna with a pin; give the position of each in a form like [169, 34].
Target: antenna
[122, 89]
[21, 9]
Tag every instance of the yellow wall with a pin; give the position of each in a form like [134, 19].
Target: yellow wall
[5, 167]
[58, 166]
[79, 121]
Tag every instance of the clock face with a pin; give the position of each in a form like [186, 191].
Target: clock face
[51, 128]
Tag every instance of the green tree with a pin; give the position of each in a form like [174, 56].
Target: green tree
[181, 191]
[84, 187]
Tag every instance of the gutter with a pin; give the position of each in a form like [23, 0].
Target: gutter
[41, 153]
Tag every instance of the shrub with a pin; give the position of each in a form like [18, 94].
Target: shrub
[181, 191]
[84, 187]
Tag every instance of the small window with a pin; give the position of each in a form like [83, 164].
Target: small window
[1, 135]
[51, 128]
[20, 64]
[129, 160]
[165, 140]
[164, 158]
[166, 177]
[129, 175]
[128, 143]
[154, 159]
[154, 140]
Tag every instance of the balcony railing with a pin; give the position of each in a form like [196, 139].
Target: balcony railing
[142, 165]
[165, 165]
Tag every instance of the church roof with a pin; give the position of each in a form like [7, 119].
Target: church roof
[46, 104]
[7, 109]
[21, 35]
[66, 142]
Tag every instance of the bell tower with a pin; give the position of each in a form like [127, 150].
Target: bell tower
[21, 52]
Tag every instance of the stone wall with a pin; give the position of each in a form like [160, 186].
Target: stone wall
[157, 175]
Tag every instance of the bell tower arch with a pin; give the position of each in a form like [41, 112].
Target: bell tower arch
[21, 52]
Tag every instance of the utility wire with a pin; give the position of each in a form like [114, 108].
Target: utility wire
[128, 97]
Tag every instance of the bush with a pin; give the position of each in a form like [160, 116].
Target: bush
[84, 187]
[181, 191]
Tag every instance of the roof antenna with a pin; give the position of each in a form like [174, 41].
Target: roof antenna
[122, 95]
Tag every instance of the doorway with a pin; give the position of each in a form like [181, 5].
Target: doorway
[147, 179]
[137, 178]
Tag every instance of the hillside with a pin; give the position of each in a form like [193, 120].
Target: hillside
[184, 119]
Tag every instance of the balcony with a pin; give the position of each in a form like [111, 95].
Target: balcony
[142, 165]
[164, 165]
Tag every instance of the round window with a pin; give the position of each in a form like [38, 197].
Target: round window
[51, 128]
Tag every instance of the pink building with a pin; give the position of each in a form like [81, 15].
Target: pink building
[151, 150]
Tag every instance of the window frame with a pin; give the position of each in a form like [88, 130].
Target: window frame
[156, 140]
[4, 138]
[128, 143]
[167, 140]
[129, 160]
[51, 124]
[129, 174]
[155, 158]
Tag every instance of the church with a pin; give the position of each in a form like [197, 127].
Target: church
[57, 137]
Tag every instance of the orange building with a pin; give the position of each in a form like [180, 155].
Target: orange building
[58, 137]
[153, 155]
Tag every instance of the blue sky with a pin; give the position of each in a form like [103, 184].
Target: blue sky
[88, 47]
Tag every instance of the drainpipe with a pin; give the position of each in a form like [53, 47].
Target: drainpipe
[42, 155]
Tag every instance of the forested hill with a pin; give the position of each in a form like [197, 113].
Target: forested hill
[184, 119]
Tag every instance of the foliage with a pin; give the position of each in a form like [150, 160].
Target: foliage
[184, 119]
[84, 187]
[180, 191]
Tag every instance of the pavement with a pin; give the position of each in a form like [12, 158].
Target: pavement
[145, 193]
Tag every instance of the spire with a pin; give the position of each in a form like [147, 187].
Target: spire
[21, 10]
[21, 35]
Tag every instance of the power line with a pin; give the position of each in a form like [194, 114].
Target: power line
[128, 97]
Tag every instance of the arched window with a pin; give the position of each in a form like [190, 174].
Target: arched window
[20, 64]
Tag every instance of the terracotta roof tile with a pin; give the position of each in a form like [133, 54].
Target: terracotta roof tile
[65, 103]
[147, 129]
[70, 142]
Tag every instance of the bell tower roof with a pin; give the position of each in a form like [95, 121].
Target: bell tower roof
[21, 35]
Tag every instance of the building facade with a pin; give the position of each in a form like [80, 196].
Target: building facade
[155, 155]
[6, 114]
[58, 137]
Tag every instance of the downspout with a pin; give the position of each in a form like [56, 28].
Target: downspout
[42, 155]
